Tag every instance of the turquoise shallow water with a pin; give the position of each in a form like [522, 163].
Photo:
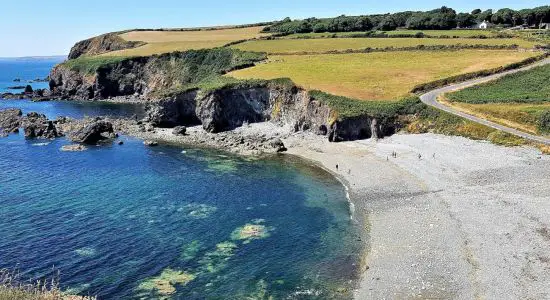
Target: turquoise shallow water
[127, 222]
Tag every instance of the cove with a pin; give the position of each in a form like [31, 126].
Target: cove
[125, 222]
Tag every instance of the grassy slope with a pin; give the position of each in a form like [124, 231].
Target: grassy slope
[169, 41]
[518, 100]
[340, 44]
[526, 87]
[377, 76]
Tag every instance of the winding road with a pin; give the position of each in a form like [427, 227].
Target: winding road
[430, 99]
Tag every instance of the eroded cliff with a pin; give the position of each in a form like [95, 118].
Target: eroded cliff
[186, 88]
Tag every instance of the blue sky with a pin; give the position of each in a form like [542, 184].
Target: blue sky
[36, 28]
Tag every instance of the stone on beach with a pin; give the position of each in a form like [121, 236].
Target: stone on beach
[150, 143]
[179, 130]
[74, 148]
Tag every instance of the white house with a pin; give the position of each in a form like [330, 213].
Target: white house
[544, 26]
[485, 25]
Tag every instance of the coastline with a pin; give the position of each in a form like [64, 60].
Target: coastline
[428, 214]
[445, 217]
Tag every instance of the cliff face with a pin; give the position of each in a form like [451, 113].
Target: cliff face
[218, 110]
[101, 44]
[89, 78]
[229, 108]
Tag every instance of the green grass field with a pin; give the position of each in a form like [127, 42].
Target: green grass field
[379, 75]
[341, 44]
[524, 87]
[516, 100]
[169, 41]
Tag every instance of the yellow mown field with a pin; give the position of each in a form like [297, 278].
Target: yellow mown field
[379, 75]
[170, 41]
[341, 44]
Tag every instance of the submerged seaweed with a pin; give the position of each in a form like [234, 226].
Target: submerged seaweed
[216, 260]
[165, 284]
[190, 251]
[252, 231]
[197, 211]
[86, 251]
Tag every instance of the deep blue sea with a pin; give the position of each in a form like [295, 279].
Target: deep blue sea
[27, 70]
[133, 222]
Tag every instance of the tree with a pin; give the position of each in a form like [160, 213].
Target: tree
[320, 27]
[476, 11]
[465, 20]
[445, 18]
[503, 16]
[485, 16]
[363, 23]
[387, 24]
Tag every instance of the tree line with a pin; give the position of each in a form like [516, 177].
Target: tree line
[443, 18]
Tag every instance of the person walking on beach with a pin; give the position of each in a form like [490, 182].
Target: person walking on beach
[336, 167]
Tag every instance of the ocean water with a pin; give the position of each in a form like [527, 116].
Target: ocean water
[133, 222]
[25, 69]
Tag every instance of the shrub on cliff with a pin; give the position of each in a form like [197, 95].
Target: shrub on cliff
[544, 121]
[347, 107]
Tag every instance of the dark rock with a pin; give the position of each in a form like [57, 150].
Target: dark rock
[278, 145]
[174, 111]
[121, 143]
[10, 120]
[179, 130]
[322, 130]
[150, 143]
[228, 109]
[93, 132]
[37, 125]
[360, 127]
[40, 128]
[28, 90]
[35, 115]
[11, 96]
[17, 80]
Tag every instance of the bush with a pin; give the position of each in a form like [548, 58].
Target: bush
[544, 121]
[347, 107]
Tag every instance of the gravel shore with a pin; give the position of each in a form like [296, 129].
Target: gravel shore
[447, 217]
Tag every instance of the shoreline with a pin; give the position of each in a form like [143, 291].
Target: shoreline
[442, 218]
[427, 232]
